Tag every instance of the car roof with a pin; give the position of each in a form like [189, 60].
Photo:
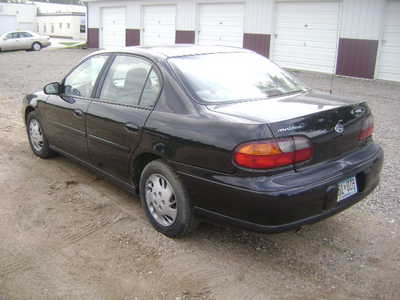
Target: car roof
[17, 31]
[164, 52]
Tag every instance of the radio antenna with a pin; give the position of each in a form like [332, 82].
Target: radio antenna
[337, 47]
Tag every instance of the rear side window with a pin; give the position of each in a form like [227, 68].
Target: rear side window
[151, 90]
[125, 80]
[82, 80]
[25, 35]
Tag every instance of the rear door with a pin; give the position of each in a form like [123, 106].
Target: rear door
[123, 102]
[66, 114]
[12, 42]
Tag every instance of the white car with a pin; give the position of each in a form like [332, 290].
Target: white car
[27, 40]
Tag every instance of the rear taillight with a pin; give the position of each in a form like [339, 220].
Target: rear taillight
[367, 128]
[274, 153]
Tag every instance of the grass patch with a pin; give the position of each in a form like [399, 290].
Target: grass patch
[79, 46]
[68, 43]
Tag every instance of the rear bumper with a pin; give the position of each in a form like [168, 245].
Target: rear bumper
[283, 201]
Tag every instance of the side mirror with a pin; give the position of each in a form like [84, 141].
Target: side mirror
[53, 88]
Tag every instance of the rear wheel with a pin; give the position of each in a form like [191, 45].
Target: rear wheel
[36, 46]
[165, 200]
[37, 139]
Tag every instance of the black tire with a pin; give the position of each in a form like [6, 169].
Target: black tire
[36, 46]
[185, 221]
[45, 151]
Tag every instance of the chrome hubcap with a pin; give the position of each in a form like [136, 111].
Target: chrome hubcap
[161, 200]
[36, 135]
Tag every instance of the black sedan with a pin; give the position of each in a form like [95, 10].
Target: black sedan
[213, 133]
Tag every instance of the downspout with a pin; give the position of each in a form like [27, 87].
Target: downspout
[87, 24]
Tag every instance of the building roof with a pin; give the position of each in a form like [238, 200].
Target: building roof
[52, 8]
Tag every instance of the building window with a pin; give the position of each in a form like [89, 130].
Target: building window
[52, 28]
[83, 28]
[60, 25]
[44, 28]
[68, 25]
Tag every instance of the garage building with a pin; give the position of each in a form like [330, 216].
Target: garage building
[17, 16]
[358, 38]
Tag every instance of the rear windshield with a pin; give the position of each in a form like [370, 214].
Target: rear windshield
[231, 77]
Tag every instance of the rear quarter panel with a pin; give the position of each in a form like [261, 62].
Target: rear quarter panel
[184, 131]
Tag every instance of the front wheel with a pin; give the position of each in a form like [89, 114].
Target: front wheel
[165, 200]
[37, 139]
[36, 46]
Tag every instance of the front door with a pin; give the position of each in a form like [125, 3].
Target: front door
[66, 114]
[12, 42]
[116, 117]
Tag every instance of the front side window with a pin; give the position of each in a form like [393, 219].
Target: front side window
[125, 80]
[233, 77]
[82, 80]
[13, 35]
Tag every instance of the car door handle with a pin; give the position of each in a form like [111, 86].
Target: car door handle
[78, 113]
[131, 127]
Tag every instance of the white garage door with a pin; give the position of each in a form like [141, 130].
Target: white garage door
[113, 27]
[306, 36]
[221, 24]
[159, 25]
[7, 23]
[389, 57]
[26, 26]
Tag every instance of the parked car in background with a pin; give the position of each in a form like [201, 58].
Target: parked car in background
[23, 40]
[212, 132]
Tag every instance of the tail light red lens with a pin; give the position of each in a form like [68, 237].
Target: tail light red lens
[274, 153]
[367, 128]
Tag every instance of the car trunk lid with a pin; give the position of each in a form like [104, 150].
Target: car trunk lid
[331, 123]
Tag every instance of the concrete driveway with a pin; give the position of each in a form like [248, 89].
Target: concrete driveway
[67, 234]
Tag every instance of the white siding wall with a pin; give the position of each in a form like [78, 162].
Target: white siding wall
[259, 16]
[258, 13]
[25, 13]
[362, 19]
[358, 19]
[184, 19]
[72, 32]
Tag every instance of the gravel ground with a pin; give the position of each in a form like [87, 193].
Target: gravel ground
[66, 234]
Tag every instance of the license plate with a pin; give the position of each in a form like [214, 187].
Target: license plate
[347, 188]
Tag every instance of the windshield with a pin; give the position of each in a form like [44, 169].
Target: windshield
[233, 76]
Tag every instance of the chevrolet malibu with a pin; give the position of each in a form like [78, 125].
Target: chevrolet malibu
[23, 40]
[209, 133]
